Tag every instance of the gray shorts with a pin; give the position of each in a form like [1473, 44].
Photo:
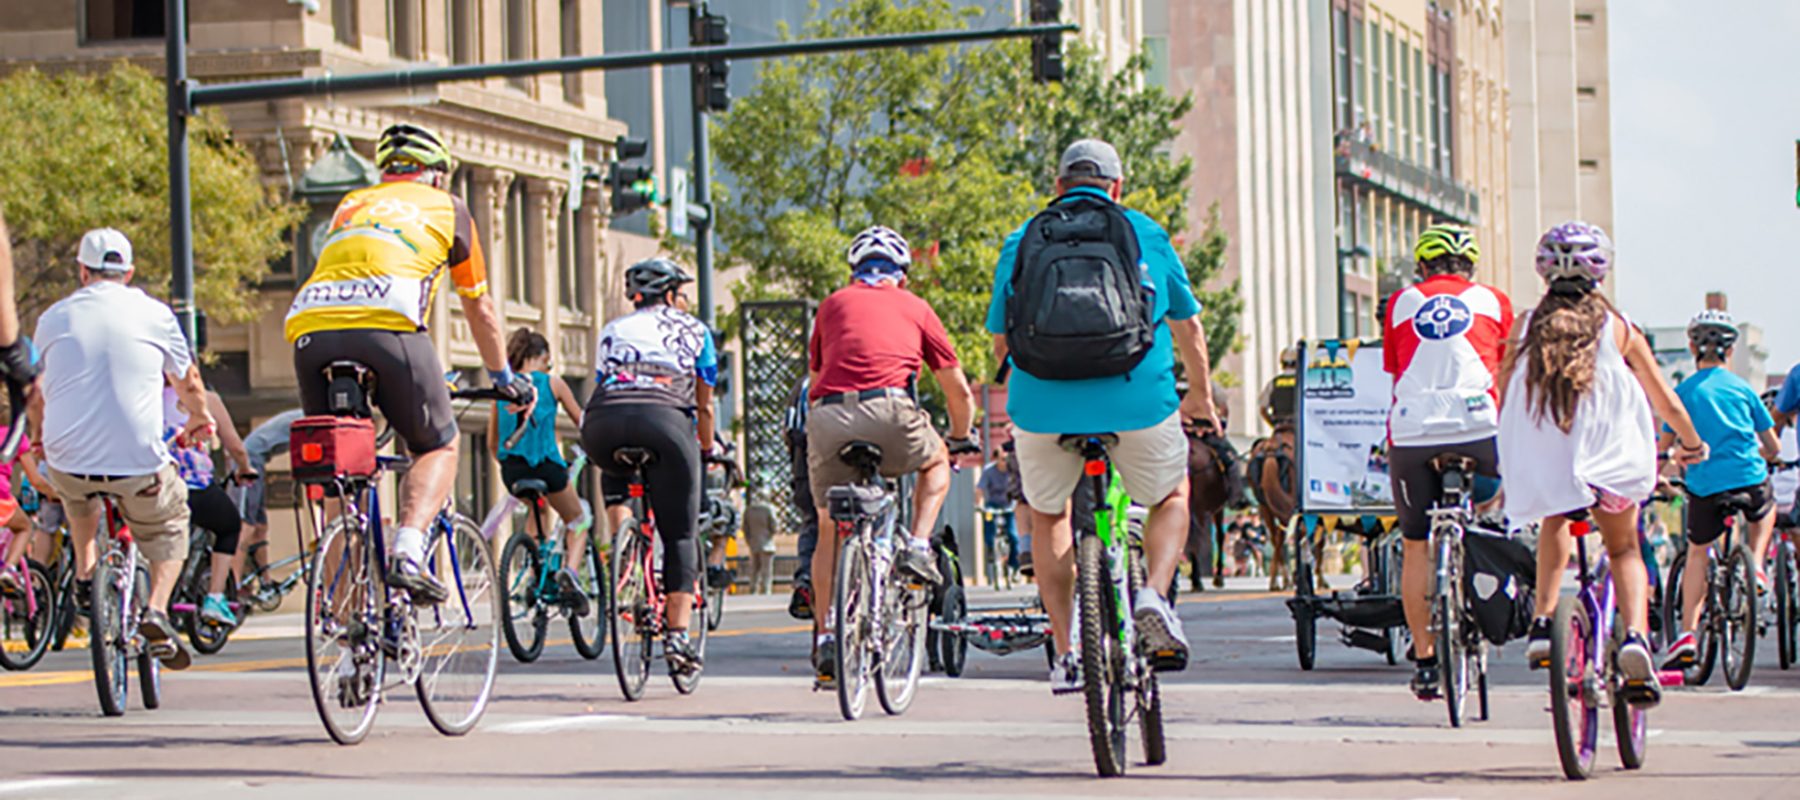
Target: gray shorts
[250, 500]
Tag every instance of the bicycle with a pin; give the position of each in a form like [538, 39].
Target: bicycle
[119, 595]
[639, 599]
[1785, 553]
[1000, 572]
[259, 590]
[356, 624]
[1728, 618]
[1461, 650]
[28, 620]
[1584, 676]
[528, 568]
[1118, 682]
[719, 522]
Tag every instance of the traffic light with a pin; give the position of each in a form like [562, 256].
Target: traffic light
[712, 88]
[1046, 49]
[631, 186]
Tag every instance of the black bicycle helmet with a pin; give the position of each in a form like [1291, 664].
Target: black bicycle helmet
[653, 277]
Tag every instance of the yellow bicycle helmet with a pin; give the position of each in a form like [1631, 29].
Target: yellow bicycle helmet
[1445, 239]
[405, 143]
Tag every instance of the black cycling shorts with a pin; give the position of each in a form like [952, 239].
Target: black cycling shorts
[409, 380]
[211, 508]
[1706, 515]
[514, 469]
[1416, 486]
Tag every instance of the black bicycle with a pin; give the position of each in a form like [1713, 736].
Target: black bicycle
[1728, 625]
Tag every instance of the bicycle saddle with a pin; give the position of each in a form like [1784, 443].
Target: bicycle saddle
[530, 489]
[1090, 445]
[861, 455]
[348, 387]
[1451, 462]
[634, 457]
[1737, 502]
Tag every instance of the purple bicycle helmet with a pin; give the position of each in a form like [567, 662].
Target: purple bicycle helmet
[1574, 251]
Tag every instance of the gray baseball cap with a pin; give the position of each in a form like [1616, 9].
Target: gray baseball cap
[1091, 158]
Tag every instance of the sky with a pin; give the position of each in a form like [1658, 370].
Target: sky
[1705, 112]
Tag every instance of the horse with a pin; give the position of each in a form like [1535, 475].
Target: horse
[1215, 482]
[1272, 478]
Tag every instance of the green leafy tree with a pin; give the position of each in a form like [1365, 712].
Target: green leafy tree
[91, 150]
[954, 147]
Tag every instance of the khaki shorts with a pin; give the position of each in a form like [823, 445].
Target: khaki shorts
[154, 505]
[1152, 462]
[899, 428]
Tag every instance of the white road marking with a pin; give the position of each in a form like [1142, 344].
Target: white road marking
[36, 785]
[560, 724]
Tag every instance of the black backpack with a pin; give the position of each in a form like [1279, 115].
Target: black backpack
[1078, 308]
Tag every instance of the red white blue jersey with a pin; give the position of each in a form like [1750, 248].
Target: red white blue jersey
[1442, 342]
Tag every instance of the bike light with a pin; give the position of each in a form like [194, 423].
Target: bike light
[315, 492]
[1095, 469]
[312, 453]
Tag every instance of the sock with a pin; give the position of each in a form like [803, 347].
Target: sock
[821, 638]
[410, 543]
[217, 597]
[921, 545]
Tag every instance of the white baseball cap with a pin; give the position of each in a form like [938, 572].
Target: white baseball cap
[105, 250]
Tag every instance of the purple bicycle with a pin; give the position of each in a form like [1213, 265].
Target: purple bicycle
[1584, 673]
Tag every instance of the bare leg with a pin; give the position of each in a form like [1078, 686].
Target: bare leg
[221, 572]
[252, 535]
[1415, 584]
[1693, 584]
[82, 527]
[929, 494]
[824, 568]
[163, 577]
[1631, 581]
[680, 610]
[1554, 547]
[1761, 531]
[568, 508]
[427, 486]
[1165, 536]
[1053, 563]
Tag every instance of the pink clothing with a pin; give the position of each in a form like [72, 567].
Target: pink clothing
[6, 469]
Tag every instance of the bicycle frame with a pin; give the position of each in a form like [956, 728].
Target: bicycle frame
[1110, 509]
[31, 607]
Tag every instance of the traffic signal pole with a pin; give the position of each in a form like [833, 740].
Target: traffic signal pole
[185, 98]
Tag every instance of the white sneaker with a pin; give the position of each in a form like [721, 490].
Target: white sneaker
[1065, 674]
[1159, 631]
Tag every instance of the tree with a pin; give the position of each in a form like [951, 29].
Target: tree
[954, 147]
[90, 151]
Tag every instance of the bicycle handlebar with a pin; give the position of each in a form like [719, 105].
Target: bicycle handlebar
[15, 432]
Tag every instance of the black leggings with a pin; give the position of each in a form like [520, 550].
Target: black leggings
[211, 508]
[672, 481]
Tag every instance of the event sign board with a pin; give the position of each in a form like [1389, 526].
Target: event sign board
[1344, 399]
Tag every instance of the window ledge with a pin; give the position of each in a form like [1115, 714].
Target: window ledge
[576, 318]
[518, 310]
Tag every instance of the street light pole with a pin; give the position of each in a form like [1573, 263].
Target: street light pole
[181, 232]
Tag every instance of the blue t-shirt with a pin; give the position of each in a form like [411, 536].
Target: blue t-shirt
[1728, 414]
[1787, 401]
[1138, 400]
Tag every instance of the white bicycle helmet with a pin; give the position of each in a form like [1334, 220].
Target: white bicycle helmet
[879, 242]
[1714, 328]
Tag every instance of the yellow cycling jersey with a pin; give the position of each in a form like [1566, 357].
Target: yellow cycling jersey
[383, 253]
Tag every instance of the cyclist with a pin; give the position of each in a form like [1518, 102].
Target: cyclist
[1444, 336]
[800, 604]
[1740, 435]
[996, 481]
[1784, 480]
[107, 348]
[251, 493]
[1141, 406]
[1577, 437]
[655, 372]
[536, 453]
[209, 506]
[369, 300]
[14, 518]
[869, 340]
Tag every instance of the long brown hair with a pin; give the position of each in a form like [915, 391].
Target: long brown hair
[1559, 349]
[524, 345]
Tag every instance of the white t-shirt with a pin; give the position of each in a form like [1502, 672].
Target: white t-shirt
[1786, 481]
[105, 350]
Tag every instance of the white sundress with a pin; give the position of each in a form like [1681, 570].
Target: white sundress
[1611, 446]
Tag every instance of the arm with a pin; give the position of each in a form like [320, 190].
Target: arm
[1689, 447]
[229, 440]
[703, 415]
[1190, 344]
[566, 397]
[959, 400]
[192, 392]
[1768, 444]
[1000, 351]
[493, 431]
[484, 328]
[9, 312]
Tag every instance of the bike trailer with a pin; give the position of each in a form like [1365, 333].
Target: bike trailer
[1498, 574]
[326, 448]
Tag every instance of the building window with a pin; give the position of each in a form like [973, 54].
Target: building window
[1391, 118]
[472, 476]
[111, 20]
[1446, 124]
[462, 38]
[518, 275]
[571, 46]
[1418, 104]
[1340, 72]
[1403, 117]
[404, 35]
[1376, 114]
[1358, 47]
[343, 19]
[516, 38]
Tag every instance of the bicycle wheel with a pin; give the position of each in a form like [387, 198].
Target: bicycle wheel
[522, 617]
[459, 639]
[1631, 724]
[344, 663]
[27, 621]
[1705, 641]
[63, 602]
[855, 603]
[953, 649]
[1787, 605]
[1102, 657]
[715, 606]
[589, 632]
[1149, 692]
[902, 647]
[1738, 602]
[1574, 714]
[206, 637]
[149, 669]
[107, 638]
[687, 682]
[633, 628]
[1453, 662]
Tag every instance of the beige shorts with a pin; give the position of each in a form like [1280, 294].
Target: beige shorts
[1152, 462]
[154, 505]
[899, 428]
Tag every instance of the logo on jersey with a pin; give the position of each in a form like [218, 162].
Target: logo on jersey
[1443, 317]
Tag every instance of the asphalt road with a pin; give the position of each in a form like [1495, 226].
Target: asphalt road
[1243, 721]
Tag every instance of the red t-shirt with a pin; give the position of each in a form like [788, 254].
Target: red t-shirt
[873, 337]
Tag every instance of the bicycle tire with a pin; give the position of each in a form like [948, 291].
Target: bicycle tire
[206, 638]
[1306, 637]
[149, 668]
[1101, 659]
[459, 639]
[1631, 726]
[523, 619]
[343, 627]
[1453, 664]
[1573, 715]
[107, 637]
[687, 682]
[1787, 605]
[593, 580]
[28, 624]
[1149, 691]
[1738, 603]
[903, 648]
[1706, 641]
[953, 649]
[1481, 687]
[854, 598]
[715, 607]
[632, 631]
[1399, 637]
[63, 624]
